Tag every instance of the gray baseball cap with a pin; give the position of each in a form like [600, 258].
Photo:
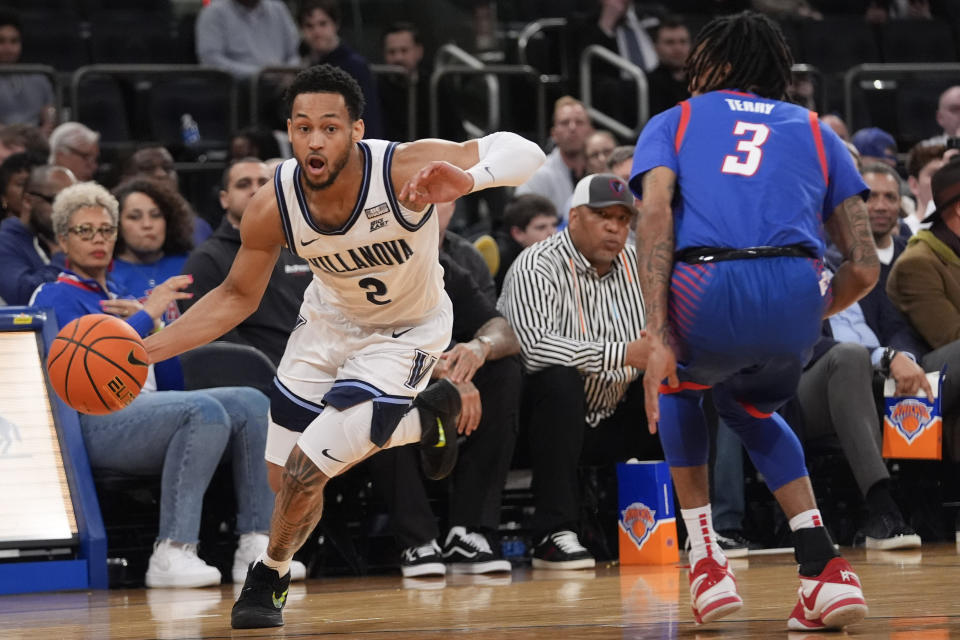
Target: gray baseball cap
[602, 190]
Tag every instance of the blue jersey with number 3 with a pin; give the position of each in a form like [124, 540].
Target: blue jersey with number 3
[750, 171]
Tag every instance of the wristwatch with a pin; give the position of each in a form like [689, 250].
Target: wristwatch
[487, 340]
[886, 359]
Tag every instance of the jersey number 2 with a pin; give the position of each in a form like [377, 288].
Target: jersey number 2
[375, 290]
[751, 146]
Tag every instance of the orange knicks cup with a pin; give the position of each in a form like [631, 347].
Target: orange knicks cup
[648, 524]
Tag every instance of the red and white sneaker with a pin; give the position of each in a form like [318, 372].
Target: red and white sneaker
[831, 600]
[713, 591]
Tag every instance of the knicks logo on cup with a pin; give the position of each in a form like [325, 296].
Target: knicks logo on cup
[638, 521]
[910, 417]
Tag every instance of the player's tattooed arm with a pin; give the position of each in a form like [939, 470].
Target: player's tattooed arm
[298, 506]
[849, 228]
[655, 244]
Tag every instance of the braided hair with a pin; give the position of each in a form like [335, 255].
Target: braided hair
[743, 51]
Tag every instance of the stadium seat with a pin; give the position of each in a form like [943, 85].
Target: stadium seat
[836, 44]
[131, 38]
[55, 38]
[207, 98]
[917, 41]
[227, 364]
[103, 106]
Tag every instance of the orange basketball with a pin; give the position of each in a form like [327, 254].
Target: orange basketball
[97, 364]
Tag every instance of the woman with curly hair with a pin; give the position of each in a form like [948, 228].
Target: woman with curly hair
[154, 238]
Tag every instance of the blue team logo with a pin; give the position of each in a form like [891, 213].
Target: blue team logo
[638, 521]
[616, 186]
[910, 417]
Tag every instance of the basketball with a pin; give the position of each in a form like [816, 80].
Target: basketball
[97, 364]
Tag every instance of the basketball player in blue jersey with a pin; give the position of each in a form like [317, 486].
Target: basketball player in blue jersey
[374, 319]
[737, 186]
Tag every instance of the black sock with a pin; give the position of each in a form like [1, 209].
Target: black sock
[879, 499]
[813, 549]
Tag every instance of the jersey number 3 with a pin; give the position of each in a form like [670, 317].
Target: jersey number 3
[751, 146]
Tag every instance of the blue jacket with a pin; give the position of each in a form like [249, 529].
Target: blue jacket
[71, 296]
[23, 267]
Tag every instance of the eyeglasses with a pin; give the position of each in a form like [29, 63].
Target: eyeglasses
[88, 231]
[89, 156]
[42, 196]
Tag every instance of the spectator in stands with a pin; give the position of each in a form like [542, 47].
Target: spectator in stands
[667, 83]
[254, 143]
[875, 145]
[206, 423]
[598, 147]
[24, 98]
[15, 138]
[527, 219]
[76, 147]
[465, 253]
[948, 116]
[481, 365]
[14, 173]
[242, 36]
[922, 162]
[319, 22]
[269, 326]
[568, 160]
[153, 162]
[29, 252]
[154, 237]
[402, 47]
[575, 304]
[156, 163]
[925, 282]
[839, 127]
[620, 162]
[621, 29]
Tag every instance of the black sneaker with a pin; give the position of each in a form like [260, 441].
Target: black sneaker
[261, 600]
[425, 560]
[439, 406]
[471, 553]
[562, 550]
[886, 531]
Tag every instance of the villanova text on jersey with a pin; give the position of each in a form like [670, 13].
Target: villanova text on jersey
[378, 254]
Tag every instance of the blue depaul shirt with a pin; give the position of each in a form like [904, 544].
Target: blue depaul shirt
[751, 171]
[72, 296]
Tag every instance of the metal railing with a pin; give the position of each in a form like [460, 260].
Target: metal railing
[632, 71]
[147, 72]
[38, 69]
[876, 74]
[493, 121]
[466, 61]
[536, 29]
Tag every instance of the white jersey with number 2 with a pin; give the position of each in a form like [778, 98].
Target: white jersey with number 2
[381, 267]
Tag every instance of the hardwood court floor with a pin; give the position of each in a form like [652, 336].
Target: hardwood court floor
[912, 595]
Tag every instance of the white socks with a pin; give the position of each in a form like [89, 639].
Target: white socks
[806, 520]
[281, 567]
[703, 540]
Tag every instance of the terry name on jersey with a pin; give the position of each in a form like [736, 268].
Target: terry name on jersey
[378, 254]
[747, 105]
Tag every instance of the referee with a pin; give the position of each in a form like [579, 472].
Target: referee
[575, 304]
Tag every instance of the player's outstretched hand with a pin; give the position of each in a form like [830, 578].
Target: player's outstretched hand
[439, 181]
[661, 364]
[165, 293]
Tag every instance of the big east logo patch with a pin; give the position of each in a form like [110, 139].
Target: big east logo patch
[910, 417]
[637, 520]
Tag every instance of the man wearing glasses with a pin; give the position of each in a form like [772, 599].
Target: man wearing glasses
[29, 254]
[76, 147]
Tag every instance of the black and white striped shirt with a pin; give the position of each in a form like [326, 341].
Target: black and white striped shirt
[565, 314]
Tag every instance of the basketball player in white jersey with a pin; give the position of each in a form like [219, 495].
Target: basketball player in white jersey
[375, 317]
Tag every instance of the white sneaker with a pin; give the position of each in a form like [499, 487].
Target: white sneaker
[249, 548]
[175, 565]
